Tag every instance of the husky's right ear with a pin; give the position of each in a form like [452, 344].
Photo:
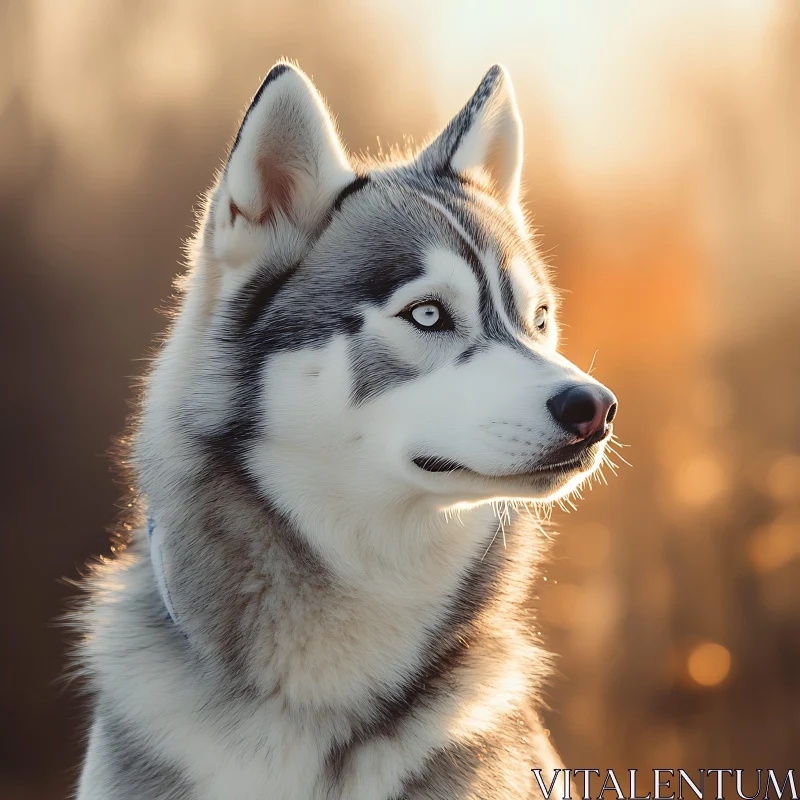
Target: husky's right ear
[285, 167]
[485, 137]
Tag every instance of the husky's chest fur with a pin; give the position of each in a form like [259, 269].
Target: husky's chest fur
[338, 694]
[362, 366]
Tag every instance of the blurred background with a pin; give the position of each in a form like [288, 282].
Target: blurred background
[663, 169]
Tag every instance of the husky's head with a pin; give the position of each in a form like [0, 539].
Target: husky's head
[374, 332]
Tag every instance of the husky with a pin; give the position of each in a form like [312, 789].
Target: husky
[362, 372]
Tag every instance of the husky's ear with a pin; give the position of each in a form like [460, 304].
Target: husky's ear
[286, 165]
[484, 137]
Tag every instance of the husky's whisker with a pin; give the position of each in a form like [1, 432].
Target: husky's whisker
[591, 365]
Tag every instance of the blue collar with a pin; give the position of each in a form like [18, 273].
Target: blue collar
[155, 535]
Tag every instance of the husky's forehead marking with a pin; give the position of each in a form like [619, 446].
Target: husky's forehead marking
[497, 293]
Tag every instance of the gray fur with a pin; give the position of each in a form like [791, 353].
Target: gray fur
[375, 370]
[134, 769]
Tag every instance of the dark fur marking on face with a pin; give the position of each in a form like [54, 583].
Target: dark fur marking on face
[259, 293]
[351, 188]
[355, 186]
[467, 355]
[375, 370]
[492, 324]
[447, 189]
[509, 301]
[495, 328]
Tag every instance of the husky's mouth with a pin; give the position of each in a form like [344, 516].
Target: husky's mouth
[571, 458]
[439, 464]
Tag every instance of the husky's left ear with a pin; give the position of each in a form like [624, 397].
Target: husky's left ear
[286, 165]
[484, 137]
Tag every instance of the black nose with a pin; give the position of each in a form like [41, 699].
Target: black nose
[584, 409]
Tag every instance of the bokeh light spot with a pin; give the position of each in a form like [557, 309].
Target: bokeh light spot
[709, 664]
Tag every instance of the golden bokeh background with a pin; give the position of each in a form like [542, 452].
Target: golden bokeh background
[662, 146]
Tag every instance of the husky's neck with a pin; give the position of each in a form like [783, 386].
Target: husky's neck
[263, 605]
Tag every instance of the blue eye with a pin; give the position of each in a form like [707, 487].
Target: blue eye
[428, 316]
[540, 318]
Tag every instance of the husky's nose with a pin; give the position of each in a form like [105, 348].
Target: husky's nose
[584, 409]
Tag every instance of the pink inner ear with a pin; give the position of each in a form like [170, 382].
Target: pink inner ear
[277, 186]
